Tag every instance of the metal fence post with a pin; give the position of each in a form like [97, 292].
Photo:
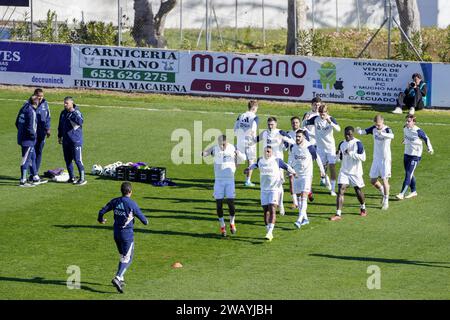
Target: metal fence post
[263, 25]
[31, 12]
[181, 22]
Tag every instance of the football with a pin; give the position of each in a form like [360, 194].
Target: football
[96, 169]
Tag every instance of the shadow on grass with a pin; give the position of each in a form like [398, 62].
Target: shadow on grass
[9, 181]
[40, 280]
[213, 219]
[215, 236]
[237, 202]
[384, 260]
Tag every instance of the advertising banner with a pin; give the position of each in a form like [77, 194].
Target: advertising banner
[35, 64]
[245, 75]
[129, 69]
[16, 3]
[275, 77]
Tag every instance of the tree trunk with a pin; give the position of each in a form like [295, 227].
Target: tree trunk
[297, 11]
[148, 29]
[410, 20]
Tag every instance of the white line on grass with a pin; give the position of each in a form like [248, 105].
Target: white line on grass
[213, 112]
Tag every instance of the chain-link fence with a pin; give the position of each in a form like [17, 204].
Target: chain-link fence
[197, 24]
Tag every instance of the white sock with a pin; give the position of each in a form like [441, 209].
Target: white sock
[232, 219]
[382, 190]
[302, 208]
[338, 212]
[248, 180]
[386, 198]
[222, 222]
[271, 226]
[281, 199]
[294, 199]
[333, 185]
[363, 206]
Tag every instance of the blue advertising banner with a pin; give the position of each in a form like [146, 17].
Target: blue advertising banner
[35, 58]
[17, 3]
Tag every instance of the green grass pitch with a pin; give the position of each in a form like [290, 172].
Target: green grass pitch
[46, 229]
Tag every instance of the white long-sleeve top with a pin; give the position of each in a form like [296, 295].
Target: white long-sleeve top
[324, 133]
[302, 157]
[225, 161]
[270, 174]
[352, 154]
[246, 128]
[381, 141]
[413, 141]
[275, 138]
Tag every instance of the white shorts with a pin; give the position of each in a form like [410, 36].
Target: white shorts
[350, 179]
[302, 184]
[224, 189]
[380, 168]
[326, 157]
[270, 197]
[248, 150]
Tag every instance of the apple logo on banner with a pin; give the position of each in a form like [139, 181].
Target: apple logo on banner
[338, 85]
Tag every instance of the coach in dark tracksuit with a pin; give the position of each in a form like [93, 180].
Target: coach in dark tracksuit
[70, 134]
[125, 210]
[26, 138]
[43, 125]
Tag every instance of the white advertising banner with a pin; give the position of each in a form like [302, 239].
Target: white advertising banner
[127, 69]
[245, 75]
[276, 77]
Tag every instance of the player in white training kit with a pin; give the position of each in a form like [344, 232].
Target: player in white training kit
[246, 129]
[311, 134]
[225, 158]
[413, 154]
[351, 153]
[295, 124]
[302, 155]
[381, 164]
[315, 103]
[275, 138]
[324, 125]
[270, 181]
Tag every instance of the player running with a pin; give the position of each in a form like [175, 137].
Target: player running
[245, 129]
[351, 153]
[271, 182]
[315, 103]
[295, 124]
[413, 154]
[125, 210]
[302, 154]
[275, 138]
[381, 164]
[324, 125]
[226, 156]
